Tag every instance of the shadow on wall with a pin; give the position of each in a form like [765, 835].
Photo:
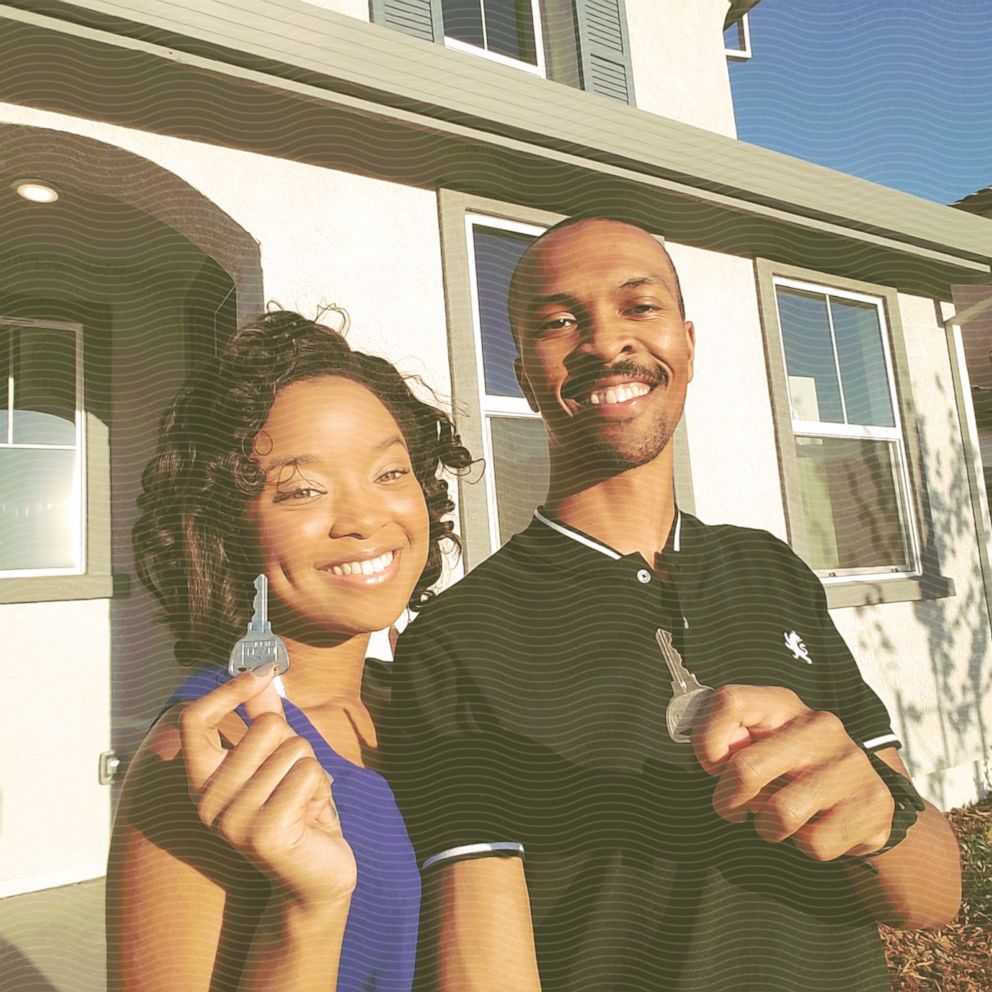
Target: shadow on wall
[18, 974]
[956, 628]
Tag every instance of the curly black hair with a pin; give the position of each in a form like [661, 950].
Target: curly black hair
[191, 549]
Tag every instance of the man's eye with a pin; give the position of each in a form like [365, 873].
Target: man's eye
[642, 308]
[298, 494]
[556, 323]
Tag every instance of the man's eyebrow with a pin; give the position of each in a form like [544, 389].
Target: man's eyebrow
[543, 301]
[641, 281]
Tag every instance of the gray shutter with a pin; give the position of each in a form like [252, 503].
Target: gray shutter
[418, 18]
[604, 53]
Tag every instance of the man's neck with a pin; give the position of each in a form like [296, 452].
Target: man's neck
[632, 512]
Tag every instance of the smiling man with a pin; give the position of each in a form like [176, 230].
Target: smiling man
[569, 842]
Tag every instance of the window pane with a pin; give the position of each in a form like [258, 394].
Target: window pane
[863, 375]
[510, 29]
[496, 255]
[5, 344]
[39, 509]
[44, 387]
[852, 505]
[463, 20]
[809, 356]
[520, 470]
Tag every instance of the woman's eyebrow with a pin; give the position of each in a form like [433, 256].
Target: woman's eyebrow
[388, 442]
[290, 461]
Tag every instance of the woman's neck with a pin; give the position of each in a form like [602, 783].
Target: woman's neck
[321, 674]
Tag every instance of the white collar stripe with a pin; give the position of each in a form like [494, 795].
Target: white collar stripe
[575, 536]
[602, 548]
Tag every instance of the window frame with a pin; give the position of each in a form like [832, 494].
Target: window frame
[743, 52]
[539, 69]
[91, 578]
[855, 587]
[478, 512]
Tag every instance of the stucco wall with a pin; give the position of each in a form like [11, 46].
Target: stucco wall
[680, 70]
[325, 237]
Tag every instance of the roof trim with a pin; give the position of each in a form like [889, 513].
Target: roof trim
[292, 46]
[738, 8]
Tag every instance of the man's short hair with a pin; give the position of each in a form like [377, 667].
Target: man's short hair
[582, 218]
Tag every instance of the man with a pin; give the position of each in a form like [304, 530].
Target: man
[568, 842]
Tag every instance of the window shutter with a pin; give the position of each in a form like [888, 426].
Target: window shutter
[604, 52]
[418, 18]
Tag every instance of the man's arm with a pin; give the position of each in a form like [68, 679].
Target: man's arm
[918, 883]
[476, 930]
[802, 778]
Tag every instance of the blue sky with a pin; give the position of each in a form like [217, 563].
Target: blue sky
[895, 91]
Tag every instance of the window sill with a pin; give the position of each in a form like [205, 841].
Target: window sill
[63, 588]
[841, 595]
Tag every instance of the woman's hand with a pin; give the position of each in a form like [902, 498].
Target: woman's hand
[268, 797]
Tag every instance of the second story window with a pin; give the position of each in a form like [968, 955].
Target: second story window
[579, 43]
[505, 30]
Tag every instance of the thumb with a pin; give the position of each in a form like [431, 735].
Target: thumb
[266, 701]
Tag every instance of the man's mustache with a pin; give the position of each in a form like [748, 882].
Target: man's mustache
[586, 379]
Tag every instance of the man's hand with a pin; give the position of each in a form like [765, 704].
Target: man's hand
[795, 769]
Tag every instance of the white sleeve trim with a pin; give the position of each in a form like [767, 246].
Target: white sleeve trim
[879, 741]
[498, 847]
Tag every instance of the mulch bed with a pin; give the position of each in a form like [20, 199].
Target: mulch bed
[957, 958]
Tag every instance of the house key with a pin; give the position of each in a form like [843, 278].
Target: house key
[259, 647]
[687, 694]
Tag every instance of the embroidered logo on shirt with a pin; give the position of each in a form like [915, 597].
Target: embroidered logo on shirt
[795, 644]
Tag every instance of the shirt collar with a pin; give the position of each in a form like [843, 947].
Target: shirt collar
[673, 544]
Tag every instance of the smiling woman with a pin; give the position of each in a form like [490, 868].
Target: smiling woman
[293, 456]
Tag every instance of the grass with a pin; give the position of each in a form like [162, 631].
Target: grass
[958, 957]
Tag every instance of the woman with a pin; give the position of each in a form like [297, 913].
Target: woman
[232, 865]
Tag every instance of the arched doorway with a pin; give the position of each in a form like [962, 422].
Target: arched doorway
[108, 297]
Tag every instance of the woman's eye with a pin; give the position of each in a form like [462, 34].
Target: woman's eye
[392, 474]
[299, 494]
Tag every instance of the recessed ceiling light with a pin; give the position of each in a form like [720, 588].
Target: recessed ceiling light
[35, 190]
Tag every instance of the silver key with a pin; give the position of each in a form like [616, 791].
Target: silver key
[687, 694]
[259, 647]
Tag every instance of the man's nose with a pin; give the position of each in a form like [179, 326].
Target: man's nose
[605, 337]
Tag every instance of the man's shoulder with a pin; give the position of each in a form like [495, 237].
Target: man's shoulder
[733, 540]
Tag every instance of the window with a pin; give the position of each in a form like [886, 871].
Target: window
[482, 241]
[514, 445]
[41, 448]
[846, 445]
[737, 40]
[580, 43]
[507, 31]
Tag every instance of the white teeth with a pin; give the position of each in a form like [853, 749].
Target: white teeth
[370, 566]
[619, 394]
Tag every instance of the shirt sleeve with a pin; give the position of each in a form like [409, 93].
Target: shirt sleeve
[864, 715]
[450, 768]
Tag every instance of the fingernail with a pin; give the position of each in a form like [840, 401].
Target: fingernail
[264, 671]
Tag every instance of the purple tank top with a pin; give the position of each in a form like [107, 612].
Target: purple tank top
[380, 938]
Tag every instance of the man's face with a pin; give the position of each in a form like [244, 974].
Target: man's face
[605, 354]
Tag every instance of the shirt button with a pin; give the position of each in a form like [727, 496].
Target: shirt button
[643, 575]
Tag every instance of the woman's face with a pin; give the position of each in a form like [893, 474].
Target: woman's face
[342, 523]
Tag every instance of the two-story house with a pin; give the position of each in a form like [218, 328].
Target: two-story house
[167, 168]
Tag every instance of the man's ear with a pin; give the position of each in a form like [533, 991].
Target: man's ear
[524, 383]
[690, 340]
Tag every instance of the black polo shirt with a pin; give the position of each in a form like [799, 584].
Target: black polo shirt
[529, 717]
